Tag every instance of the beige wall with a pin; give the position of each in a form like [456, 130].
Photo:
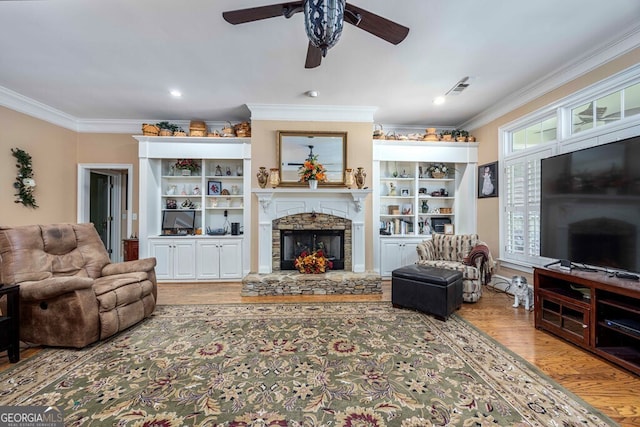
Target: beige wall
[53, 153]
[112, 149]
[488, 209]
[264, 152]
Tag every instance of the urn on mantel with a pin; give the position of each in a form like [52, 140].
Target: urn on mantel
[263, 177]
[274, 177]
[360, 176]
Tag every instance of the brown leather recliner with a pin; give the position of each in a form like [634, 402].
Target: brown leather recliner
[70, 293]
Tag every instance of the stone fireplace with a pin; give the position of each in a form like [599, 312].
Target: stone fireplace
[286, 212]
[309, 232]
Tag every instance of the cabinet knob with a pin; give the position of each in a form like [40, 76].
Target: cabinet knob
[585, 326]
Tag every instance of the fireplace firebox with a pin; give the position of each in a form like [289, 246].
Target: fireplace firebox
[294, 242]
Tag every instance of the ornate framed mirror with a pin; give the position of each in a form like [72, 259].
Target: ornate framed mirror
[294, 147]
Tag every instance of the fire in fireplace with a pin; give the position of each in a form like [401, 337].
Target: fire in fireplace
[294, 242]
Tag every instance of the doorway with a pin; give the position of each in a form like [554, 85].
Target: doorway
[105, 199]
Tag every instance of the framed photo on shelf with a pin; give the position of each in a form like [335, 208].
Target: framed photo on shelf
[448, 228]
[214, 188]
[404, 192]
[488, 180]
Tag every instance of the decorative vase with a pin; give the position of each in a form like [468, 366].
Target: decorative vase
[425, 207]
[348, 177]
[186, 172]
[274, 177]
[360, 176]
[313, 184]
[263, 177]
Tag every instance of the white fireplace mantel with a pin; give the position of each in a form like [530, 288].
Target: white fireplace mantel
[280, 202]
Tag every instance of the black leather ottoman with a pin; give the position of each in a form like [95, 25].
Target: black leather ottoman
[431, 290]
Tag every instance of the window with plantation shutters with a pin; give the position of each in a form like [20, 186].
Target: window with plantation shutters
[521, 219]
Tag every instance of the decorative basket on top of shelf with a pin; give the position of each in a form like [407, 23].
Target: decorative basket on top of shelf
[197, 128]
[438, 175]
[150, 130]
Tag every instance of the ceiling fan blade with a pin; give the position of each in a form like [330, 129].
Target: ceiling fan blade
[251, 14]
[314, 57]
[377, 25]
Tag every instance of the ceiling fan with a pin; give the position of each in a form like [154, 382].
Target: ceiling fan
[323, 20]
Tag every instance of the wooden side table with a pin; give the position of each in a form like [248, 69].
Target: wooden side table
[10, 323]
[130, 249]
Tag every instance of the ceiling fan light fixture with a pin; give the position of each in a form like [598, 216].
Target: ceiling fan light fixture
[323, 21]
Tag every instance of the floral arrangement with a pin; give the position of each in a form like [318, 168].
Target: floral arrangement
[312, 170]
[312, 263]
[25, 184]
[438, 169]
[189, 164]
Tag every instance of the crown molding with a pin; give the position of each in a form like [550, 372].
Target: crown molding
[311, 113]
[33, 108]
[606, 52]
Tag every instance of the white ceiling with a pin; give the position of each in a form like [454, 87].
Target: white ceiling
[118, 59]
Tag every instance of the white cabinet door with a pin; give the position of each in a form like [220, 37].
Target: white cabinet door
[184, 259]
[410, 253]
[395, 254]
[175, 258]
[208, 263]
[390, 256]
[219, 259]
[231, 259]
[162, 250]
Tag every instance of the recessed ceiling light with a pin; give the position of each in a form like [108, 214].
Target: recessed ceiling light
[176, 93]
[439, 100]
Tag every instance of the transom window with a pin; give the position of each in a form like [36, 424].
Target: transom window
[535, 134]
[610, 108]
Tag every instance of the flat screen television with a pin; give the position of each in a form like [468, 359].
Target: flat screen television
[178, 221]
[590, 206]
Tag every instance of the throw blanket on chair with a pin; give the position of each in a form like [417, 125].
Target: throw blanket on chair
[480, 256]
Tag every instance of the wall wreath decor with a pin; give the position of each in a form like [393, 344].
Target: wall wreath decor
[25, 184]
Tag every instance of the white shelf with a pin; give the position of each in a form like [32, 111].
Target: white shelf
[157, 177]
[410, 157]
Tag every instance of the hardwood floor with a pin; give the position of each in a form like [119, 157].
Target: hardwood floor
[608, 388]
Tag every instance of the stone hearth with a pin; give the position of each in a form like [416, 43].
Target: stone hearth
[294, 283]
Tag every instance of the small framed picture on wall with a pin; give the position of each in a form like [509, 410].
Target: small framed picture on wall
[488, 180]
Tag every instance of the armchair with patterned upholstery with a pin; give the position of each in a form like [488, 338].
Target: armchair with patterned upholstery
[70, 293]
[461, 252]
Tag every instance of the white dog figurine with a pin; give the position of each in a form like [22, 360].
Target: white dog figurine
[522, 292]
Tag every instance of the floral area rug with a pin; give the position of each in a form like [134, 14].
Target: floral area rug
[345, 364]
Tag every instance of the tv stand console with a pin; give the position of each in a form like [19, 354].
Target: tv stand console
[593, 310]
